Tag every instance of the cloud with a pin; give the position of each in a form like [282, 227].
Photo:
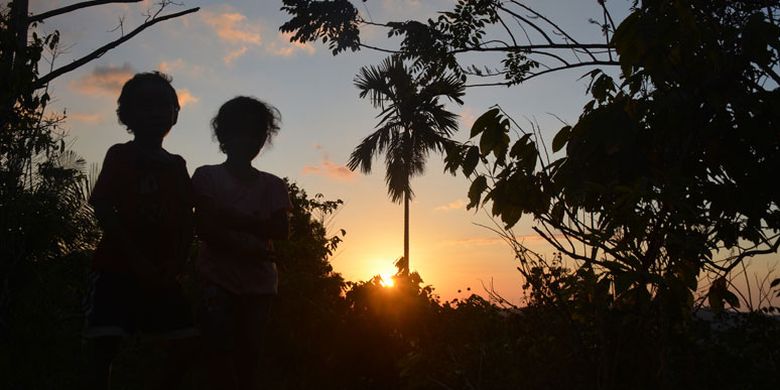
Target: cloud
[458, 204]
[232, 55]
[233, 29]
[178, 65]
[185, 97]
[170, 66]
[104, 80]
[282, 46]
[84, 118]
[467, 117]
[329, 169]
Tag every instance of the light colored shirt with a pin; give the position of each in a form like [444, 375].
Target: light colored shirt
[261, 196]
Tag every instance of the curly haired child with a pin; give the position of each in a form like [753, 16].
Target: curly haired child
[143, 202]
[239, 211]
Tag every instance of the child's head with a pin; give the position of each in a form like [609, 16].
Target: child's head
[148, 105]
[243, 125]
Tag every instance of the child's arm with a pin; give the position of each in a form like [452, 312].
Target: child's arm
[186, 224]
[139, 264]
[232, 230]
[275, 227]
[218, 229]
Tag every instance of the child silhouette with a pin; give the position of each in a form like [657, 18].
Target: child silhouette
[239, 211]
[143, 202]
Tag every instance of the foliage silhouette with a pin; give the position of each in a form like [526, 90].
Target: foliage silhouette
[42, 184]
[43, 215]
[663, 171]
[531, 43]
[669, 167]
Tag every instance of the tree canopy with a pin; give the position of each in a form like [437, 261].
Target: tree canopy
[668, 172]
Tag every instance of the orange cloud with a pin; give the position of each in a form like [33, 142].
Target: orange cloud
[104, 80]
[185, 97]
[329, 169]
[232, 55]
[458, 204]
[168, 67]
[284, 48]
[178, 65]
[84, 118]
[231, 27]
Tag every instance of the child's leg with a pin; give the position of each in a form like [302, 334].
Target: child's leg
[166, 315]
[217, 324]
[181, 354]
[253, 311]
[102, 351]
[109, 315]
[219, 369]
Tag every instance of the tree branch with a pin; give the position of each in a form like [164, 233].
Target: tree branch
[73, 7]
[538, 15]
[524, 79]
[535, 47]
[528, 22]
[509, 32]
[379, 49]
[42, 81]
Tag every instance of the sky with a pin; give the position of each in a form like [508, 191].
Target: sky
[234, 48]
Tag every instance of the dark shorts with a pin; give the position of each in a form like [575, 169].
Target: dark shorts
[117, 306]
[228, 320]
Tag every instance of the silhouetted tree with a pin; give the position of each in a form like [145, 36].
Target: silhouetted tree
[43, 185]
[664, 169]
[531, 44]
[412, 123]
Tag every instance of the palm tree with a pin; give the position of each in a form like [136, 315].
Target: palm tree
[412, 123]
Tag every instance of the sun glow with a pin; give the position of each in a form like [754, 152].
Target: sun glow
[386, 280]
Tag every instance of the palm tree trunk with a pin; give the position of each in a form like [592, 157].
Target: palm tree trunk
[405, 269]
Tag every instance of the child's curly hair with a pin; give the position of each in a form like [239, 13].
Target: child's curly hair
[129, 96]
[241, 109]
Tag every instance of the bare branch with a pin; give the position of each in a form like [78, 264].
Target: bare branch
[120, 26]
[536, 47]
[379, 49]
[564, 33]
[99, 52]
[510, 83]
[528, 22]
[509, 31]
[73, 7]
[750, 253]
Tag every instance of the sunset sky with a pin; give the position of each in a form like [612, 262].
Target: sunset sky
[235, 48]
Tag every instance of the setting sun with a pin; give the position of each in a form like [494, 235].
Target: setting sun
[386, 280]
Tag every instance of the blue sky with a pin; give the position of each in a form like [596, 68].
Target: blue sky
[234, 48]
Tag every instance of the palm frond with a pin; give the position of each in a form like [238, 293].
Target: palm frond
[412, 122]
[376, 143]
[397, 179]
